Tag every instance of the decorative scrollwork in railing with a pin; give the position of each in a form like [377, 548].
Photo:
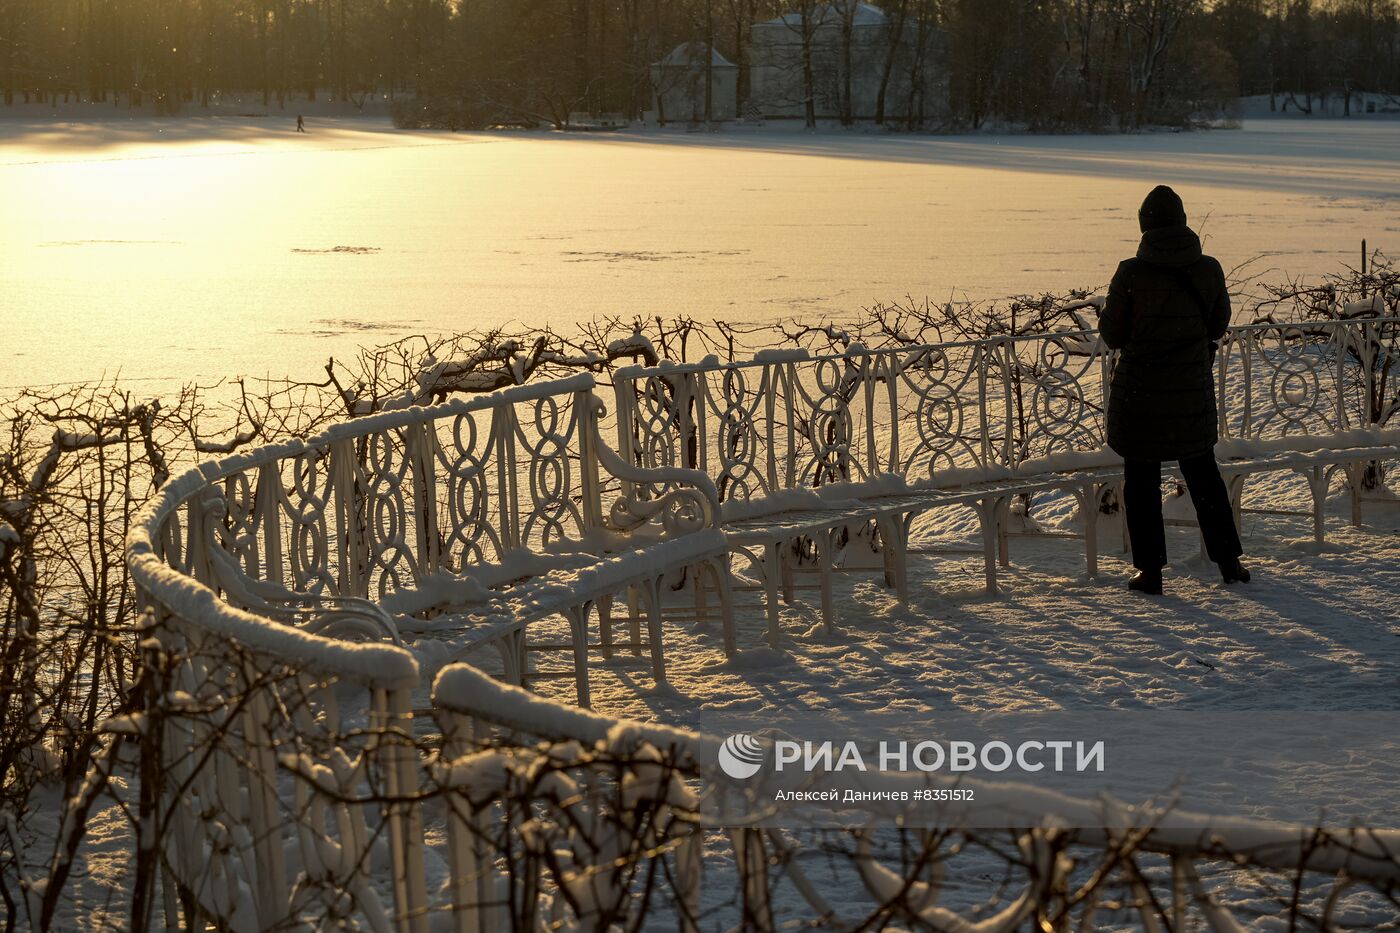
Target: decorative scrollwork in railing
[385, 471]
[1285, 380]
[1060, 394]
[307, 504]
[799, 421]
[940, 389]
[734, 404]
[548, 444]
[679, 497]
[827, 399]
[681, 512]
[240, 524]
[471, 532]
[662, 405]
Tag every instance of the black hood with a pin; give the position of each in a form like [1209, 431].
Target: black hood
[1170, 246]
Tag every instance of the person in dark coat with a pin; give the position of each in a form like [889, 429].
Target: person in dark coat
[1166, 309]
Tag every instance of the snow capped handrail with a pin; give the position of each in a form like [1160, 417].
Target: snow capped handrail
[365, 425]
[1309, 324]
[189, 592]
[388, 500]
[188, 598]
[1369, 855]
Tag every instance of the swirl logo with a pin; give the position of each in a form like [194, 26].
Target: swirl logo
[741, 756]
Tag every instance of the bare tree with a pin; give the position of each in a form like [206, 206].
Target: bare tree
[798, 29]
[1152, 25]
[741, 14]
[894, 44]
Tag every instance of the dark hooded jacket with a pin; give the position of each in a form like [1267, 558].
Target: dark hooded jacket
[1166, 308]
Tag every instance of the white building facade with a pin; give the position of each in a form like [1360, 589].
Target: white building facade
[678, 85]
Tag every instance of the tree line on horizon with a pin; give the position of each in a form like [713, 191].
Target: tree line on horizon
[1044, 64]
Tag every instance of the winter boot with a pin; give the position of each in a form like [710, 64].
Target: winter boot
[1146, 582]
[1232, 571]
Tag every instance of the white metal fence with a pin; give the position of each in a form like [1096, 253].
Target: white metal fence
[794, 420]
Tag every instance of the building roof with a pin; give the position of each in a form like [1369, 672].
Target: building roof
[866, 14]
[690, 54]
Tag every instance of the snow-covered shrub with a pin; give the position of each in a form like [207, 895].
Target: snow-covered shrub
[75, 463]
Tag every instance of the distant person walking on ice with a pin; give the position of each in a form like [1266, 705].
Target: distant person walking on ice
[1166, 309]
[301, 124]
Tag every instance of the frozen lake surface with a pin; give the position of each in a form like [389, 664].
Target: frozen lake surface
[209, 247]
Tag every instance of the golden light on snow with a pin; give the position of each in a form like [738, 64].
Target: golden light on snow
[213, 249]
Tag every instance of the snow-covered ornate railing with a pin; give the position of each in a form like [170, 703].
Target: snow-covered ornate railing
[291, 772]
[789, 419]
[602, 824]
[980, 423]
[385, 502]
[288, 772]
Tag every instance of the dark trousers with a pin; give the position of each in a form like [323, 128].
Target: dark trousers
[1142, 497]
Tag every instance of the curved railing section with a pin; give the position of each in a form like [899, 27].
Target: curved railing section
[300, 771]
[264, 579]
[622, 802]
[956, 411]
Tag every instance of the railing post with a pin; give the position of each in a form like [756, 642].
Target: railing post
[586, 417]
[198, 537]
[979, 360]
[1363, 342]
[419, 442]
[1010, 378]
[1341, 338]
[892, 366]
[752, 863]
[393, 712]
[698, 394]
[1247, 344]
[471, 883]
[354, 554]
[1222, 373]
[867, 382]
[789, 378]
[508, 495]
[685, 424]
[1107, 358]
[625, 402]
[268, 520]
[266, 822]
[769, 387]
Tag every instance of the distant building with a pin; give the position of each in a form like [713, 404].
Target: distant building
[833, 34]
[678, 83]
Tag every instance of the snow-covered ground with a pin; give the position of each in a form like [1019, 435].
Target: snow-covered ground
[1316, 633]
[210, 247]
[1317, 629]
